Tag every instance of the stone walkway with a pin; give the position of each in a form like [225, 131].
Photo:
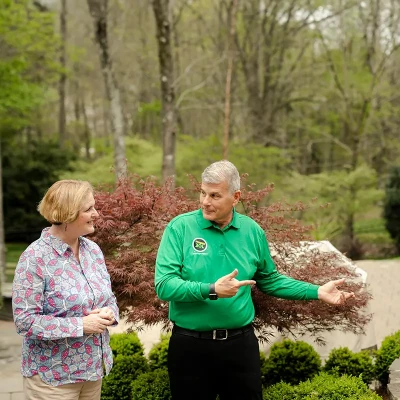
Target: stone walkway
[383, 278]
[10, 350]
[384, 281]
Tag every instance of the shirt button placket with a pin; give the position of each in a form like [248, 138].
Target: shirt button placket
[221, 246]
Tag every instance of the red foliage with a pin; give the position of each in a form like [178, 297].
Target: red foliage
[129, 229]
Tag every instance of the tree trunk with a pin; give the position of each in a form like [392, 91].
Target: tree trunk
[86, 129]
[163, 23]
[106, 124]
[63, 76]
[99, 9]
[177, 63]
[2, 239]
[231, 56]
[92, 106]
[77, 106]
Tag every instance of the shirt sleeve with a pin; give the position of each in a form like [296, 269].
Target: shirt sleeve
[27, 302]
[169, 284]
[271, 282]
[111, 301]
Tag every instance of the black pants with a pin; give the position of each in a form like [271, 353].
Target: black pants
[201, 369]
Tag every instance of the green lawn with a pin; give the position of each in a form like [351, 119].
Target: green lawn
[372, 231]
[13, 253]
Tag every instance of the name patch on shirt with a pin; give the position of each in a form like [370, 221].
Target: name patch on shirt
[199, 245]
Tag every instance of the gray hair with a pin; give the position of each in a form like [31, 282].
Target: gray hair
[222, 171]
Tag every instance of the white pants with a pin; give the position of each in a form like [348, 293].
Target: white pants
[36, 389]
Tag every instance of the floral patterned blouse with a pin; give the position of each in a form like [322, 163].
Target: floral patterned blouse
[52, 291]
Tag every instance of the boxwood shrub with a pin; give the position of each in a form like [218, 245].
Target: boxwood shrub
[117, 385]
[158, 354]
[280, 391]
[290, 362]
[322, 387]
[126, 344]
[263, 360]
[152, 385]
[387, 353]
[344, 362]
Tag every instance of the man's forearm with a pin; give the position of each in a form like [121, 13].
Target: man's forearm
[174, 288]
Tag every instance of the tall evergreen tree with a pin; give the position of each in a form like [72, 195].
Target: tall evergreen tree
[392, 206]
[28, 45]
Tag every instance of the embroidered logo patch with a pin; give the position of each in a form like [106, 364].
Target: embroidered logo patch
[199, 245]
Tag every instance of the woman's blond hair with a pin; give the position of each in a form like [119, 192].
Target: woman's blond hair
[64, 200]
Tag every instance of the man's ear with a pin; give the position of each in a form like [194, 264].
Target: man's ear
[236, 197]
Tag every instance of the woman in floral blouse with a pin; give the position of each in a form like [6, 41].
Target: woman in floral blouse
[62, 300]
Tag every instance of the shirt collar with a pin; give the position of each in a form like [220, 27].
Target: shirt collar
[57, 244]
[205, 223]
[235, 223]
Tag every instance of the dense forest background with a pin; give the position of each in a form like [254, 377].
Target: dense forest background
[300, 93]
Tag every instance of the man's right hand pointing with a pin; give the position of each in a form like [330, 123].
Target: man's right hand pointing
[228, 285]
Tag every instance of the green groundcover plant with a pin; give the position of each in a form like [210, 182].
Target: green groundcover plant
[322, 387]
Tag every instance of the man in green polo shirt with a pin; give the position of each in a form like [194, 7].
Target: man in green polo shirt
[206, 263]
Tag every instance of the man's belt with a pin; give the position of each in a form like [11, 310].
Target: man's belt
[215, 334]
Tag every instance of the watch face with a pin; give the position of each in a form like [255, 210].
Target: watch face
[213, 296]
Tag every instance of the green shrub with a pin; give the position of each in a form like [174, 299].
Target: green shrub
[329, 387]
[388, 352]
[280, 391]
[29, 169]
[117, 385]
[290, 362]
[345, 362]
[126, 344]
[323, 387]
[158, 354]
[263, 360]
[152, 386]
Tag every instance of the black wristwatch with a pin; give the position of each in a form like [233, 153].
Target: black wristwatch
[212, 295]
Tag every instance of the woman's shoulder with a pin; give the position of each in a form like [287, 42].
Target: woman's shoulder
[34, 250]
[90, 244]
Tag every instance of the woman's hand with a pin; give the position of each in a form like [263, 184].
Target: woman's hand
[105, 312]
[98, 320]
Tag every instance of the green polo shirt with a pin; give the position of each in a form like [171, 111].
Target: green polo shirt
[194, 253]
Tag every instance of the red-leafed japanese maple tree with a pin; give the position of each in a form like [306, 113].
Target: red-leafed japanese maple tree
[134, 215]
